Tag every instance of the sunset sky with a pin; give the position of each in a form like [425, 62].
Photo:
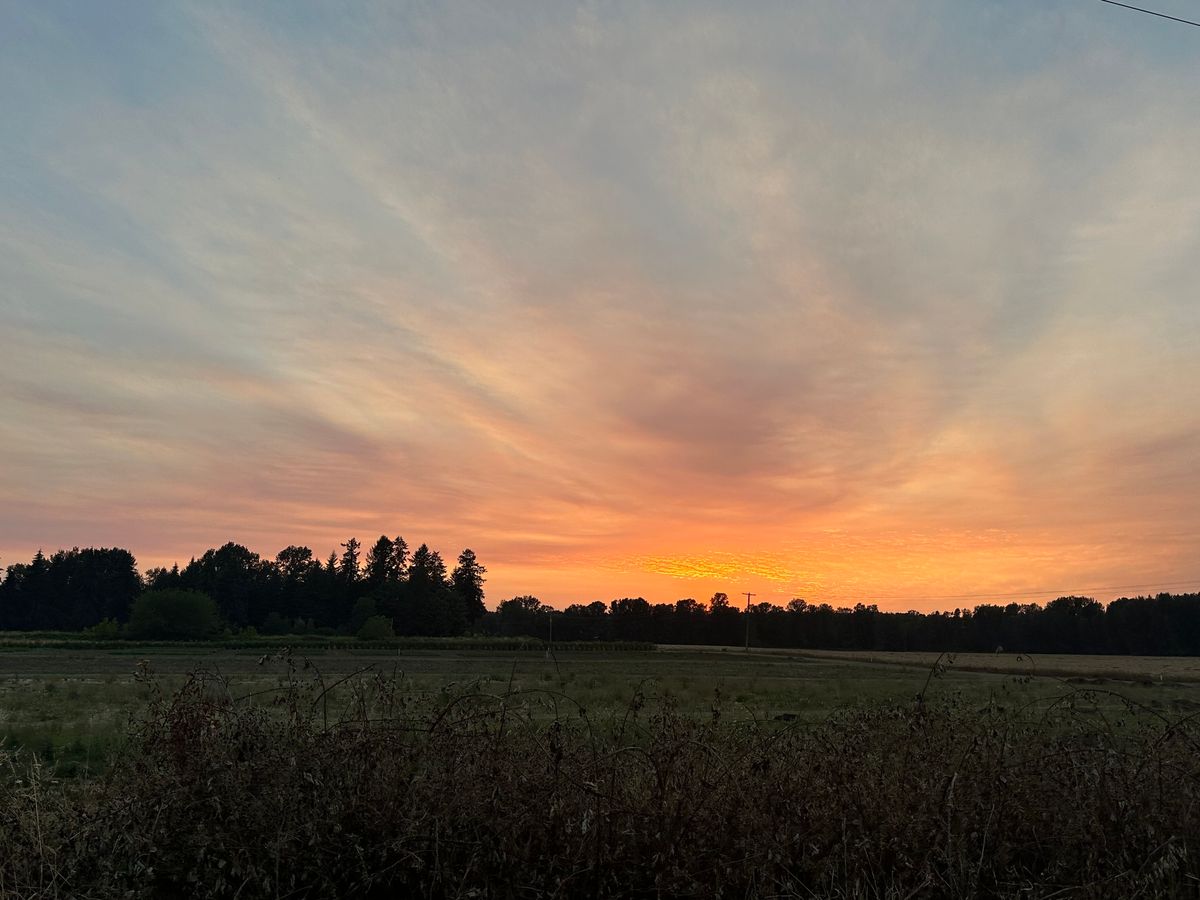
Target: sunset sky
[878, 301]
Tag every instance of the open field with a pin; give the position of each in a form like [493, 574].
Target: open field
[1159, 669]
[645, 774]
[73, 707]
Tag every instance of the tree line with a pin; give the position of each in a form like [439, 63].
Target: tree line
[1166, 625]
[388, 590]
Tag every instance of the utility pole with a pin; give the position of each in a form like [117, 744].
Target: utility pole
[550, 644]
[748, 596]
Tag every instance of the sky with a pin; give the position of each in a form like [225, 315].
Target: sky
[892, 302]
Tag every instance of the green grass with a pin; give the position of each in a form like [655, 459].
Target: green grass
[73, 706]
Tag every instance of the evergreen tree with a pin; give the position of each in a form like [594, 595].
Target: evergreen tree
[381, 566]
[330, 597]
[426, 604]
[349, 566]
[427, 569]
[467, 582]
[400, 557]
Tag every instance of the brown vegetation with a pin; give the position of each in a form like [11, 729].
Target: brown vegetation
[523, 793]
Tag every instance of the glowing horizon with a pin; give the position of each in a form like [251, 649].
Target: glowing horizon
[800, 301]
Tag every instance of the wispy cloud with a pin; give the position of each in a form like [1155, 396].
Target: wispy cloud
[841, 299]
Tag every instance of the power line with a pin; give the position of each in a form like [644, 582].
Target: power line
[1151, 12]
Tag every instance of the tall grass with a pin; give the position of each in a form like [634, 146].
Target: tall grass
[367, 788]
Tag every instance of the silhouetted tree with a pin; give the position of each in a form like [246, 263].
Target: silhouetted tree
[297, 579]
[80, 588]
[25, 594]
[426, 604]
[296, 564]
[400, 557]
[630, 617]
[381, 568]
[467, 582]
[584, 622]
[349, 565]
[237, 580]
[89, 585]
[524, 616]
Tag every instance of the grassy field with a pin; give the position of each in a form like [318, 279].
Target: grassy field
[72, 707]
[689, 772]
[1093, 668]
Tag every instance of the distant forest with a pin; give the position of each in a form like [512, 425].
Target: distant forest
[388, 590]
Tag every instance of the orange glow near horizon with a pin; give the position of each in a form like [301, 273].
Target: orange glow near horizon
[896, 572]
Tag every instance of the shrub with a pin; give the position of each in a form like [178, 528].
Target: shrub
[173, 614]
[104, 630]
[376, 628]
[364, 609]
[275, 624]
